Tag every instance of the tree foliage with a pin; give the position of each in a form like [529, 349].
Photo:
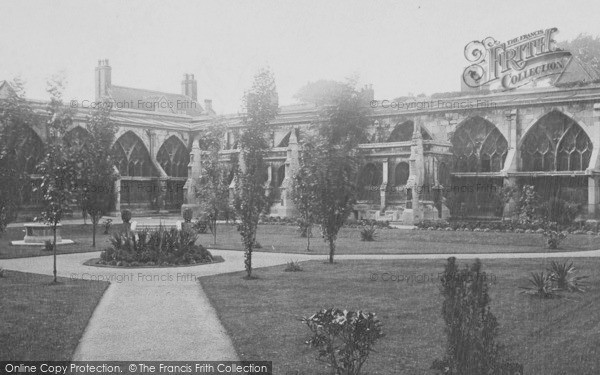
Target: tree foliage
[320, 92]
[16, 118]
[212, 190]
[326, 182]
[586, 48]
[96, 172]
[261, 104]
[58, 169]
[471, 328]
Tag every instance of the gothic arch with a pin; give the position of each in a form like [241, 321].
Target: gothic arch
[173, 157]
[77, 137]
[403, 132]
[401, 173]
[478, 146]
[555, 142]
[285, 141]
[30, 151]
[132, 157]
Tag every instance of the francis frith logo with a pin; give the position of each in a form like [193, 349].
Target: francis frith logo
[515, 63]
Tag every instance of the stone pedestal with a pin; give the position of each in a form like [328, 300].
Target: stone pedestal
[39, 233]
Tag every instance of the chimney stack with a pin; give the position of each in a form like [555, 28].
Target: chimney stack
[189, 86]
[208, 106]
[103, 79]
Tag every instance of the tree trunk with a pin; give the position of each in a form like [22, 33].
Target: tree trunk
[331, 250]
[215, 232]
[54, 251]
[308, 234]
[94, 223]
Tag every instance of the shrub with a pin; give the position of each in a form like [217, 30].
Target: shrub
[188, 214]
[159, 247]
[344, 339]
[1, 272]
[541, 286]
[528, 204]
[560, 211]
[126, 216]
[368, 233]
[293, 267]
[201, 225]
[107, 224]
[471, 328]
[48, 245]
[256, 245]
[553, 238]
[563, 276]
[304, 227]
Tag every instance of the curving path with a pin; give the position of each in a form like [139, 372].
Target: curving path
[163, 314]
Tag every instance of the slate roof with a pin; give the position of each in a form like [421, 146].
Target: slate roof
[154, 101]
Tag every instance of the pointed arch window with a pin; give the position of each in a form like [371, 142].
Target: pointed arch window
[478, 146]
[131, 157]
[174, 157]
[556, 143]
[30, 151]
[403, 132]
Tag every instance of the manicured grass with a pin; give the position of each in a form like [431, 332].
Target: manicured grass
[79, 233]
[559, 336]
[44, 321]
[285, 238]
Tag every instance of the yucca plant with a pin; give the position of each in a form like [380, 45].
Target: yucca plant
[542, 285]
[368, 233]
[563, 275]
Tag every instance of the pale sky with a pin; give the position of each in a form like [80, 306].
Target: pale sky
[398, 46]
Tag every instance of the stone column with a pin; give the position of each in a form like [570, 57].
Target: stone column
[194, 172]
[292, 164]
[384, 185]
[269, 178]
[593, 195]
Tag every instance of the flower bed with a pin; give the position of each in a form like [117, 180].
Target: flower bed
[157, 248]
[513, 226]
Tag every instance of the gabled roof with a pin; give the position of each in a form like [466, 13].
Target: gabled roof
[154, 101]
[5, 89]
[577, 71]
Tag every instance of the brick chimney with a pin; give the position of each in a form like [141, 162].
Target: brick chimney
[189, 86]
[208, 106]
[103, 79]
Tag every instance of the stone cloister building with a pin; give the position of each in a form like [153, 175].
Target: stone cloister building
[427, 157]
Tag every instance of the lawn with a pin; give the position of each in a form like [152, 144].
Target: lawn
[79, 233]
[559, 336]
[44, 321]
[285, 238]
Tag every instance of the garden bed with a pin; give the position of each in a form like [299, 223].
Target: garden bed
[97, 262]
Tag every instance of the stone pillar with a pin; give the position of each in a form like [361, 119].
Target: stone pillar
[269, 179]
[384, 185]
[118, 194]
[593, 195]
[194, 171]
[510, 208]
[161, 196]
[292, 164]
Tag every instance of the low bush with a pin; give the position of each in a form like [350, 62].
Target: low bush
[201, 225]
[1, 272]
[293, 267]
[107, 224]
[553, 238]
[164, 247]
[344, 339]
[188, 214]
[368, 233]
[540, 286]
[48, 245]
[564, 278]
[126, 216]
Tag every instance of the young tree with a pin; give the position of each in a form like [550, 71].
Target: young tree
[330, 161]
[212, 189]
[471, 328]
[58, 170]
[96, 175]
[304, 201]
[16, 116]
[250, 200]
